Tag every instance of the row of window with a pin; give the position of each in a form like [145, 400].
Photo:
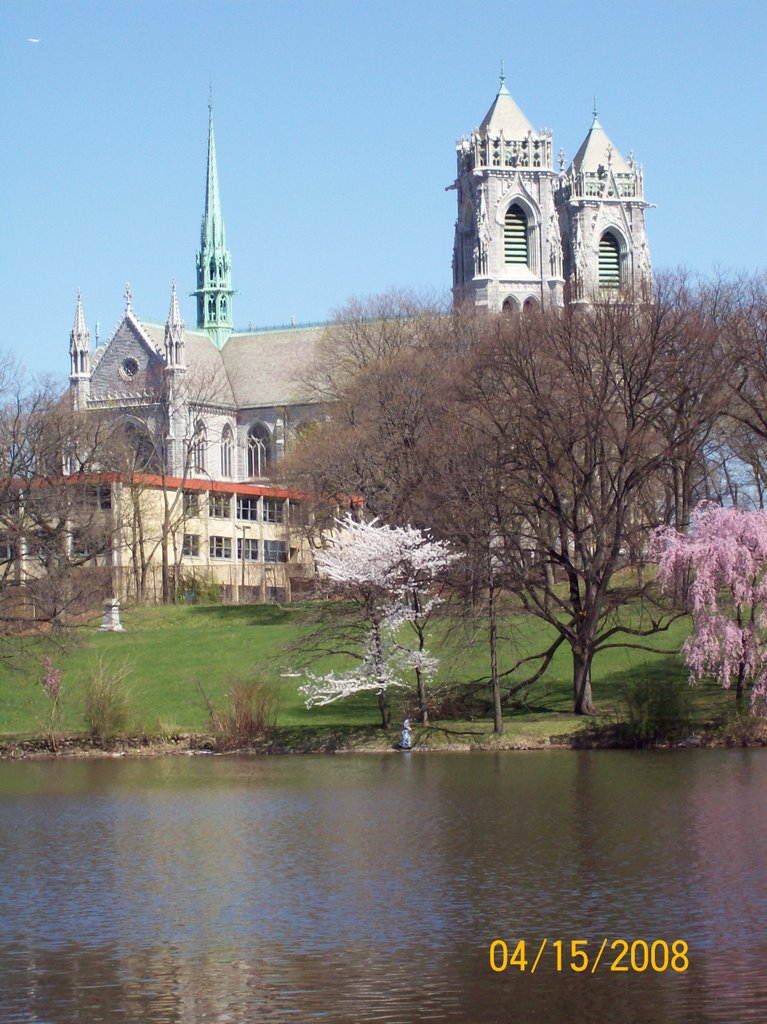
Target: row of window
[272, 510]
[83, 544]
[247, 548]
[259, 450]
[516, 248]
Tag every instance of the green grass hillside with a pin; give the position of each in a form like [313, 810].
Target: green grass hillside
[169, 654]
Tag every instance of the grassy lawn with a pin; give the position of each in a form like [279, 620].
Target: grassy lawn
[170, 653]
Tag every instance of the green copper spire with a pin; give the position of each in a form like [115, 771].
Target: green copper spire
[214, 261]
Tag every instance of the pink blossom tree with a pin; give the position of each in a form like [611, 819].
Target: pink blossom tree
[389, 574]
[721, 567]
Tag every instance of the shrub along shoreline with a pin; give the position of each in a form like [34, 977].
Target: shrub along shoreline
[597, 734]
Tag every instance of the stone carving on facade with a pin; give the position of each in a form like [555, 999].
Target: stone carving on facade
[483, 222]
[480, 258]
[511, 185]
[555, 247]
[643, 262]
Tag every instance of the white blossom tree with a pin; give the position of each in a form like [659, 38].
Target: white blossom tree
[389, 574]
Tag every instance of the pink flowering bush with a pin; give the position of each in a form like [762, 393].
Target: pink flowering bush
[721, 568]
[51, 683]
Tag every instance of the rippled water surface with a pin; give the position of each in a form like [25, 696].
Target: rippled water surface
[369, 888]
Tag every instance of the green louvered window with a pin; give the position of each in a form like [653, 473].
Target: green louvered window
[609, 262]
[515, 236]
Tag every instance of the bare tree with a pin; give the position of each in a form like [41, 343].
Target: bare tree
[577, 401]
[545, 447]
[56, 514]
[741, 315]
[379, 369]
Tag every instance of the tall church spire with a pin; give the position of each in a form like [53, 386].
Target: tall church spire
[214, 261]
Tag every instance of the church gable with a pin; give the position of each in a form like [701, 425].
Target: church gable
[130, 365]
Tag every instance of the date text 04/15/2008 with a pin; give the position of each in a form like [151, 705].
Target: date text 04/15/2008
[581, 955]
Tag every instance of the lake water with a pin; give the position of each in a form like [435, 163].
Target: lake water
[369, 888]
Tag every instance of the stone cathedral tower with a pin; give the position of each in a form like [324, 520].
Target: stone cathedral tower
[601, 207]
[529, 236]
[507, 251]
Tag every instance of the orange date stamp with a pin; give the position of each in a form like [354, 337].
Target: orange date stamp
[584, 956]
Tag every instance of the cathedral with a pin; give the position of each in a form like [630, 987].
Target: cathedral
[526, 235]
[211, 409]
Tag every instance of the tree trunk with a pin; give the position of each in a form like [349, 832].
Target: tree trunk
[740, 686]
[378, 656]
[383, 707]
[493, 616]
[420, 684]
[165, 569]
[421, 697]
[548, 573]
[582, 701]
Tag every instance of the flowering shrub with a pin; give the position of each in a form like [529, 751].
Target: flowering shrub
[51, 684]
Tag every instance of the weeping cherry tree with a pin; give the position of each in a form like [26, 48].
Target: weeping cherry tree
[721, 565]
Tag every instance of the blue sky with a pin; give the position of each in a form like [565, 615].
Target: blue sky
[336, 124]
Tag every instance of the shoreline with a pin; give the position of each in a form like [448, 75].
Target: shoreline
[201, 745]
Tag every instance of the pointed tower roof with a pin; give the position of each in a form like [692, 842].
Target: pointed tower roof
[174, 335]
[80, 330]
[213, 233]
[79, 347]
[505, 116]
[598, 151]
[174, 315]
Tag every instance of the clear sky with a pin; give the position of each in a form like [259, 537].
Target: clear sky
[336, 124]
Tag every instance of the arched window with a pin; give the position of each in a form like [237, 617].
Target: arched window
[510, 306]
[259, 451]
[147, 456]
[199, 445]
[515, 250]
[227, 451]
[609, 261]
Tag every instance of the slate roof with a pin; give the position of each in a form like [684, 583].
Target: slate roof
[254, 369]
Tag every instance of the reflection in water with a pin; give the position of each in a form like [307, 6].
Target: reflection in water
[356, 889]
